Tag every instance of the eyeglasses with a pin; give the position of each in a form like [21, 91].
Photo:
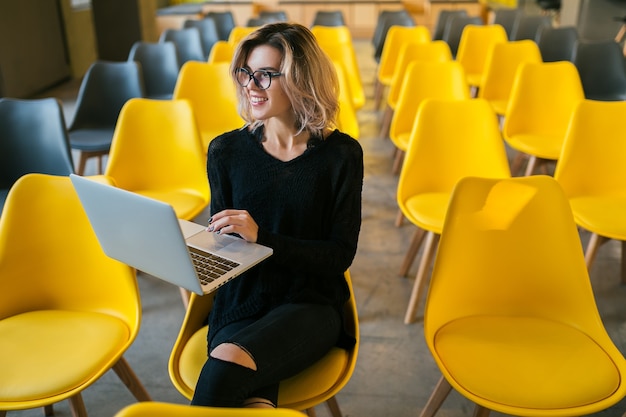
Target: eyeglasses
[262, 78]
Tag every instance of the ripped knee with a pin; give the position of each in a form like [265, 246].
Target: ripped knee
[231, 352]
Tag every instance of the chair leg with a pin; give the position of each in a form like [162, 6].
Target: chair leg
[3, 413]
[48, 410]
[77, 406]
[385, 123]
[310, 412]
[442, 389]
[185, 295]
[333, 407]
[480, 411]
[379, 89]
[397, 162]
[82, 162]
[595, 241]
[432, 240]
[399, 218]
[416, 242]
[128, 377]
[517, 163]
[532, 163]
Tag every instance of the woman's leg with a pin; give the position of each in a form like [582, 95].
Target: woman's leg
[249, 359]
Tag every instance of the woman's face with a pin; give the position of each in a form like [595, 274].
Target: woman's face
[271, 102]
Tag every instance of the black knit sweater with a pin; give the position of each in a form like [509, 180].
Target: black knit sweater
[308, 211]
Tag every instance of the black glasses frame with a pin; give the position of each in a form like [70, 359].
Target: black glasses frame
[264, 73]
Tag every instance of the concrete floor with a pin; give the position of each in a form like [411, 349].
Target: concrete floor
[395, 373]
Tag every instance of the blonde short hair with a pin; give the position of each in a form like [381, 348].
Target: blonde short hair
[308, 75]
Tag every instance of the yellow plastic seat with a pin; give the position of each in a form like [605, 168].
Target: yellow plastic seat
[541, 104]
[315, 385]
[397, 36]
[157, 152]
[592, 172]
[211, 91]
[423, 80]
[436, 51]
[239, 32]
[347, 120]
[68, 312]
[221, 51]
[474, 48]
[500, 70]
[159, 409]
[511, 319]
[451, 139]
[336, 41]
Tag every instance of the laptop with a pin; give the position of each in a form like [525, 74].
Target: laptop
[146, 234]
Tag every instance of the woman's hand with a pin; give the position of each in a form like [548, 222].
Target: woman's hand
[234, 221]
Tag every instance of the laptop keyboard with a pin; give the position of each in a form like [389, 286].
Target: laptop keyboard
[209, 266]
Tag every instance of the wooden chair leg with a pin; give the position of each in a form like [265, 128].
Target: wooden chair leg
[333, 407]
[517, 163]
[385, 122]
[442, 389]
[595, 241]
[399, 219]
[379, 89]
[48, 410]
[3, 413]
[416, 242]
[77, 406]
[128, 377]
[185, 295]
[530, 168]
[432, 240]
[82, 162]
[397, 162]
[310, 412]
[480, 411]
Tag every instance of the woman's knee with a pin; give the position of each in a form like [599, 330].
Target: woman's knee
[231, 352]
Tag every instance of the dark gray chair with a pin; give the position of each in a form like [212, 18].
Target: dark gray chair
[601, 68]
[529, 27]
[388, 18]
[454, 29]
[442, 21]
[224, 21]
[33, 139]
[558, 43]
[188, 43]
[208, 33]
[159, 67]
[105, 88]
[329, 18]
[270, 16]
[507, 18]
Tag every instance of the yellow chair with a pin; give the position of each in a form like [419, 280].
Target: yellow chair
[336, 41]
[221, 51]
[68, 312]
[397, 36]
[239, 32]
[436, 51]
[592, 172]
[541, 104]
[452, 139]
[211, 91]
[347, 120]
[511, 319]
[315, 385]
[157, 152]
[500, 70]
[423, 80]
[159, 409]
[474, 48]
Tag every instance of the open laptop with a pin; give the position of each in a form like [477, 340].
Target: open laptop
[146, 234]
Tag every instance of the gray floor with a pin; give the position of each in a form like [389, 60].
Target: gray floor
[395, 373]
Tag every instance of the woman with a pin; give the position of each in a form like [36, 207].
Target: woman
[289, 181]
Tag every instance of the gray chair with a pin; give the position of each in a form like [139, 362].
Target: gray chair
[529, 27]
[442, 21]
[224, 21]
[507, 18]
[558, 43]
[454, 29]
[273, 15]
[33, 139]
[388, 18]
[208, 33]
[601, 68]
[105, 88]
[159, 67]
[329, 18]
[188, 43]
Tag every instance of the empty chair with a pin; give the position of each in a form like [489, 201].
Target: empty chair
[397, 36]
[255, 22]
[159, 67]
[511, 320]
[500, 71]
[224, 21]
[592, 172]
[160, 409]
[452, 139]
[222, 51]
[328, 18]
[103, 91]
[387, 19]
[558, 43]
[188, 43]
[549, 5]
[33, 138]
[239, 32]
[442, 21]
[213, 97]
[529, 27]
[475, 46]
[434, 51]
[454, 30]
[208, 32]
[541, 104]
[68, 312]
[507, 18]
[600, 65]
[273, 15]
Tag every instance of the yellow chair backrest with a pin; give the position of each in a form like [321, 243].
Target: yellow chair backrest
[474, 47]
[240, 32]
[221, 51]
[347, 120]
[397, 37]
